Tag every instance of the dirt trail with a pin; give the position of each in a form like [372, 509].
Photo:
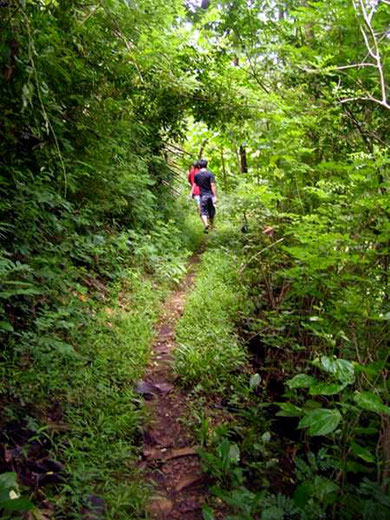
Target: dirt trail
[169, 457]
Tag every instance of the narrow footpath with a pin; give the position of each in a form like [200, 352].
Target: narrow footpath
[169, 460]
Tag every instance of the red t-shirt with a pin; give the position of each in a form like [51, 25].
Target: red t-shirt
[191, 180]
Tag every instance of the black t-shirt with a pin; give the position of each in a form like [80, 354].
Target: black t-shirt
[203, 179]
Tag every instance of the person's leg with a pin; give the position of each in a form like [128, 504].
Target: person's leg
[204, 212]
[197, 202]
[211, 212]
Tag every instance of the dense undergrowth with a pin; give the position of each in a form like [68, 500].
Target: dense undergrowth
[308, 176]
[286, 330]
[299, 431]
[72, 424]
[91, 239]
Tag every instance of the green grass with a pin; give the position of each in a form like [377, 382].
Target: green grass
[81, 364]
[103, 410]
[209, 355]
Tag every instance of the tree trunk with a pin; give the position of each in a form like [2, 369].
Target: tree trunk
[243, 161]
[202, 147]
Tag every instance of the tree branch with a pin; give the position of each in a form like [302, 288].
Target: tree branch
[372, 46]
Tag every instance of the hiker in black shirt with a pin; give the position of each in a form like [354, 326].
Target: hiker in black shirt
[208, 194]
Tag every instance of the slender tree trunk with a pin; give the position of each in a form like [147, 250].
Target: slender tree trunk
[243, 160]
[202, 147]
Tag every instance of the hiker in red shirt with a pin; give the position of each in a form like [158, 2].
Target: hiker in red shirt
[208, 194]
[195, 190]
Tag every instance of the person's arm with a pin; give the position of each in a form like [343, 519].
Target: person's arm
[214, 191]
[213, 187]
[191, 181]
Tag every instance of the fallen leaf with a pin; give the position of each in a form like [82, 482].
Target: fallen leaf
[188, 481]
[181, 452]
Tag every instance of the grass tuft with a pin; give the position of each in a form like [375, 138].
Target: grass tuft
[209, 354]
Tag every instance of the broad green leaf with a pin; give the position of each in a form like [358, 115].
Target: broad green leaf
[342, 369]
[301, 381]
[362, 452]
[303, 493]
[255, 380]
[289, 410]
[326, 388]
[230, 452]
[371, 402]
[6, 325]
[18, 504]
[8, 480]
[321, 421]
[234, 453]
[65, 349]
[266, 437]
[372, 369]
[325, 490]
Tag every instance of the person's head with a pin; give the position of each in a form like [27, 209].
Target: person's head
[202, 163]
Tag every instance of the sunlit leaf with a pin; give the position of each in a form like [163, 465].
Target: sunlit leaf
[362, 452]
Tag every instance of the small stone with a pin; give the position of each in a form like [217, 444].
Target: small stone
[152, 454]
[163, 388]
[145, 388]
[149, 389]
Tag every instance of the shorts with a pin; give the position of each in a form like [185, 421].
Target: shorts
[207, 207]
[196, 199]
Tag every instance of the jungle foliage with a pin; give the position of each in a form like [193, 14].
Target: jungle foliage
[90, 93]
[288, 100]
[309, 159]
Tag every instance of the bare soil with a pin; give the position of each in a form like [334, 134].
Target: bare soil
[170, 460]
